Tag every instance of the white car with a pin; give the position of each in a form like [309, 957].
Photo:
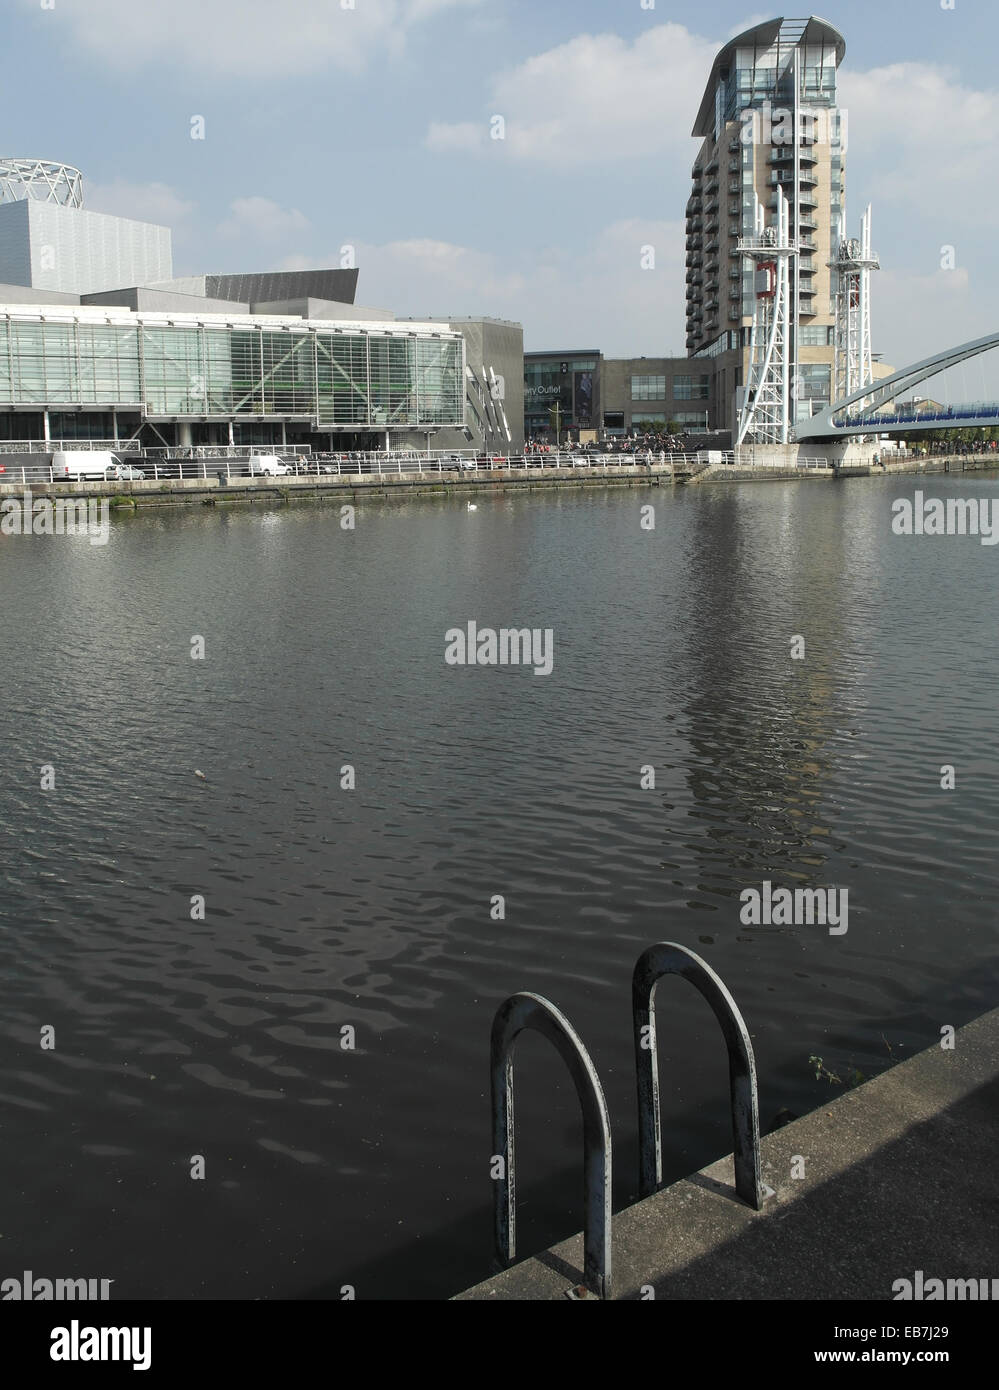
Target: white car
[125, 472]
[268, 466]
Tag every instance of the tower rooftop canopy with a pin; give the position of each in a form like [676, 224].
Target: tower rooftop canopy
[787, 33]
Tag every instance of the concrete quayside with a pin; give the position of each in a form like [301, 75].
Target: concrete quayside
[511, 475]
[886, 1193]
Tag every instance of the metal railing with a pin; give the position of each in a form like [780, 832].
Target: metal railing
[740, 459]
[669, 958]
[883, 419]
[515, 1014]
[221, 451]
[46, 446]
[226, 465]
[525, 1010]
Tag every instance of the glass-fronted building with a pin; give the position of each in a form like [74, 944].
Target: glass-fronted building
[616, 396]
[203, 378]
[561, 391]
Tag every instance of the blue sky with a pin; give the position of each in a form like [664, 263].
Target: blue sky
[369, 126]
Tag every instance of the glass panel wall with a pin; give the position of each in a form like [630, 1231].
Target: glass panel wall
[193, 369]
[173, 371]
[438, 381]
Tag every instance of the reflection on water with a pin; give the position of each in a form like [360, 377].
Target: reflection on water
[335, 917]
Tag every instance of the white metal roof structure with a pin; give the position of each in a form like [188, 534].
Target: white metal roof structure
[42, 180]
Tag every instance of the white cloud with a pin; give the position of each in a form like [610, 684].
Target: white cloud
[296, 261]
[596, 295]
[922, 148]
[750, 22]
[261, 219]
[461, 135]
[145, 202]
[933, 139]
[245, 37]
[914, 316]
[599, 97]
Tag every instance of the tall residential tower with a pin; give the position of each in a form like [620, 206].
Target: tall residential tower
[771, 133]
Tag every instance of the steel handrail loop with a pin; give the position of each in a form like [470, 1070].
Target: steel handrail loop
[669, 958]
[514, 1015]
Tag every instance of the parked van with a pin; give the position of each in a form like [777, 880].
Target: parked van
[83, 463]
[268, 466]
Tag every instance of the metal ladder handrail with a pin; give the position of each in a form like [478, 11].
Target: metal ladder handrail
[514, 1015]
[669, 958]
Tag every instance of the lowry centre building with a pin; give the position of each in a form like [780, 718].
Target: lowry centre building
[100, 343]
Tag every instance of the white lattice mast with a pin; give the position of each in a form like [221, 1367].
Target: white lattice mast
[852, 265]
[766, 409]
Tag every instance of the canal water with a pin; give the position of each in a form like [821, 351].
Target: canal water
[289, 1094]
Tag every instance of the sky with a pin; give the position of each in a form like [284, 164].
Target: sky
[272, 134]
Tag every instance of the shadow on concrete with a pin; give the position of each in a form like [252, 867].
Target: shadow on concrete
[928, 1201]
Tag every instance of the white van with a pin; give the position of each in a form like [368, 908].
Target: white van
[82, 463]
[268, 466]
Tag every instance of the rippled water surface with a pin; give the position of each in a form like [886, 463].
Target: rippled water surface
[325, 907]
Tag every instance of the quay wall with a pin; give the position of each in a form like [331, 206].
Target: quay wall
[356, 487]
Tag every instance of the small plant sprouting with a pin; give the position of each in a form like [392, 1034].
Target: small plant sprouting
[854, 1076]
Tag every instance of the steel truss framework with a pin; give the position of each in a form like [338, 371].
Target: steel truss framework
[765, 414]
[41, 180]
[852, 265]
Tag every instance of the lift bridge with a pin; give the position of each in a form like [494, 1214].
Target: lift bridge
[891, 405]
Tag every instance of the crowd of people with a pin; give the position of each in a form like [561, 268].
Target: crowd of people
[943, 446]
[653, 443]
[650, 443]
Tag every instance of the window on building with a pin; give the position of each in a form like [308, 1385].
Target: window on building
[725, 342]
[815, 335]
[689, 388]
[815, 378]
[648, 388]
